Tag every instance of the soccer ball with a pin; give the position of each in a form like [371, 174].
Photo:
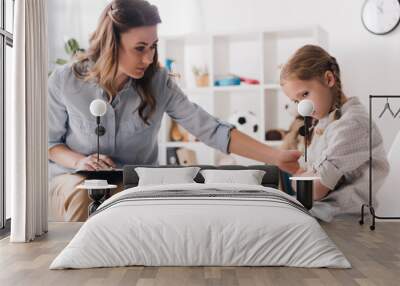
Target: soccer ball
[245, 121]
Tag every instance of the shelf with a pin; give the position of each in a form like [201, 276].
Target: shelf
[238, 37]
[266, 50]
[247, 35]
[233, 88]
[197, 90]
[189, 39]
[242, 87]
[273, 86]
[291, 33]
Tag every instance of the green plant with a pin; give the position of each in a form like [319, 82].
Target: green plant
[71, 47]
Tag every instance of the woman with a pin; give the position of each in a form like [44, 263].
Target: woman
[121, 67]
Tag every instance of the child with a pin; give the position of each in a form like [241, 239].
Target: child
[339, 150]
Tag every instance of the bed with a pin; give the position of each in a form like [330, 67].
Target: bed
[201, 224]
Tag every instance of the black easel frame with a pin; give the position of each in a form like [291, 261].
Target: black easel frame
[370, 203]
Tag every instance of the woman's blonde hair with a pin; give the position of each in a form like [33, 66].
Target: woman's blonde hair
[100, 61]
[312, 62]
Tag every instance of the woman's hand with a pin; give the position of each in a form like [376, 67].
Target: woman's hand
[90, 163]
[286, 160]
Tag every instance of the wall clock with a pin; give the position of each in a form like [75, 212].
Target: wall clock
[380, 17]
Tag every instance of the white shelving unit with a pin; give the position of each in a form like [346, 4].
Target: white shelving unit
[258, 55]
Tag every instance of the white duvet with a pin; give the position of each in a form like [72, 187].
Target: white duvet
[200, 231]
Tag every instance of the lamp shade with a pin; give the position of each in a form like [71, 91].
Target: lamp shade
[305, 107]
[98, 107]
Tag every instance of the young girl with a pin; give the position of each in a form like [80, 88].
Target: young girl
[339, 150]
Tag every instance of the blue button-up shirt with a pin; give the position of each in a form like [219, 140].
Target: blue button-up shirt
[128, 140]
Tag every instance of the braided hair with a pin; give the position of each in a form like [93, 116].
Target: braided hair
[312, 62]
[338, 100]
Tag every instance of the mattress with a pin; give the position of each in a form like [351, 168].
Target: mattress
[201, 225]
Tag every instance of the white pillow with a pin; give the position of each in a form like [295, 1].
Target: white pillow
[248, 177]
[163, 176]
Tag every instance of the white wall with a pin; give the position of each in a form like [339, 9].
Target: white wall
[370, 64]
[78, 19]
[71, 19]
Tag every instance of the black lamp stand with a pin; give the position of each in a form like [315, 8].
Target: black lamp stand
[100, 131]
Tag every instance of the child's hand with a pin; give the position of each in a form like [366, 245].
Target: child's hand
[304, 173]
[299, 173]
[286, 160]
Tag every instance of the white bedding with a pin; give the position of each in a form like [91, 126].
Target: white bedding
[183, 231]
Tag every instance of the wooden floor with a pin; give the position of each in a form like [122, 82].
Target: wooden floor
[375, 257]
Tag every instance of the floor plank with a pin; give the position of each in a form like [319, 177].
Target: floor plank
[374, 255]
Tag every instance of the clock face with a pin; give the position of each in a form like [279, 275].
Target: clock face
[381, 16]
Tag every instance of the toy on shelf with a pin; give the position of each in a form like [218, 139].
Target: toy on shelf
[178, 133]
[293, 138]
[275, 135]
[225, 159]
[181, 156]
[233, 79]
[186, 157]
[245, 121]
[201, 76]
[172, 157]
[249, 80]
[227, 81]
[170, 65]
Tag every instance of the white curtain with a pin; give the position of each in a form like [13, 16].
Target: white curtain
[26, 143]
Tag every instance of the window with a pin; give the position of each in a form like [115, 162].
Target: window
[6, 44]
[9, 15]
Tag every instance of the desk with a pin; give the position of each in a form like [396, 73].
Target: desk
[114, 176]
